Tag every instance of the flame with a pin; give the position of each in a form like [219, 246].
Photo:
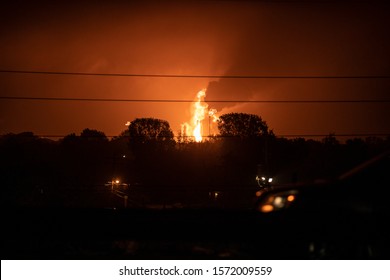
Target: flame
[199, 115]
[200, 111]
[212, 114]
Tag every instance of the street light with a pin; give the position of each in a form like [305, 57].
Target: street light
[116, 181]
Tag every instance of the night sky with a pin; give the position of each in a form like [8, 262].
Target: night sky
[239, 38]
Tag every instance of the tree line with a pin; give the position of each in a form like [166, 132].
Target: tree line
[74, 169]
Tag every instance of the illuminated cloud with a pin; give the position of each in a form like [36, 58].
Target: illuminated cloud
[193, 38]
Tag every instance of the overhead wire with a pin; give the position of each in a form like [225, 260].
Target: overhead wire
[204, 136]
[194, 76]
[191, 76]
[190, 101]
[208, 101]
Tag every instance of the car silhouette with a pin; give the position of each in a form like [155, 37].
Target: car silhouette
[345, 217]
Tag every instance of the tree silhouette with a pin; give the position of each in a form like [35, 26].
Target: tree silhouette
[93, 135]
[26, 167]
[151, 142]
[150, 131]
[84, 165]
[245, 142]
[242, 125]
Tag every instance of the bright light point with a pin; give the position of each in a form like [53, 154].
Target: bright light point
[124, 156]
[263, 178]
[278, 201]
[117, 181]
[270, 180]
[266, 208]
[291, 198]
[127, 124]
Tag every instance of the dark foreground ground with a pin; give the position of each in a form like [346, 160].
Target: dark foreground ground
[55, 233]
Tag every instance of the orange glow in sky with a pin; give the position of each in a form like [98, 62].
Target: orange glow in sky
[233, 38]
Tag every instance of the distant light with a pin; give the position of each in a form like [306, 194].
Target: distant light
[311, 247]
[263, 178]
[278, 201]
[291, 198]
[266, 208]
[124, 156]
[270, 180]
[127, 124]
[258, 193]
[117, 181]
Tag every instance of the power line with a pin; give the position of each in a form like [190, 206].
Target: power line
[335, 135]
[205, 136]
[190, 101]
[193, 76]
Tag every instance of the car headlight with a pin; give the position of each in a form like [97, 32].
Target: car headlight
[277, 201]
